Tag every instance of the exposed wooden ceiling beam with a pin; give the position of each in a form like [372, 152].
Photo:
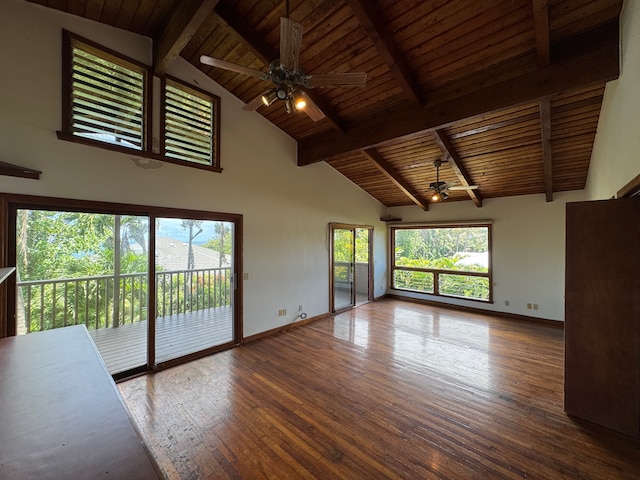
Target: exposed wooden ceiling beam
[375, 28]
[541, 23]
[547, 155]
[397, 179]
[182, 25]
[597, 66]
[238, 27]
[457, 166]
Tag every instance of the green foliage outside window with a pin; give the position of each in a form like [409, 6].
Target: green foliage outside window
[412, 280]
[464, 286]
[67, 261]
[435, 249]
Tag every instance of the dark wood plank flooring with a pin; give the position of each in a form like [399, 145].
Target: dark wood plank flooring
[389, 390]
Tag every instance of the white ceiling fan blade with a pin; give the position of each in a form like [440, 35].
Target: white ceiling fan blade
[232, 67]
[460, 187]
[358, 79]
[312, 110]
[254, 104]
[290, 43]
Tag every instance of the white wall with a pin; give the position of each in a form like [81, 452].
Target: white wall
[616, 153]
[286, 208]
[528, 242]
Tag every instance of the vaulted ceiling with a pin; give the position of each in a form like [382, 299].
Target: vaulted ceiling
[506, 92]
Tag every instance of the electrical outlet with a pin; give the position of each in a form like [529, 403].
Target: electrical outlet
[245, 276]
[507, 303]
[528, 306]
[535, 306]
[299, 308]
[282, 312]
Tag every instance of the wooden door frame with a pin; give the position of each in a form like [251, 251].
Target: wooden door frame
[347, 226]
[11, 203]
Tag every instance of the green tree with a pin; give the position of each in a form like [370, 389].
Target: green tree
[221, 242]
[65, 245]
[195, 229]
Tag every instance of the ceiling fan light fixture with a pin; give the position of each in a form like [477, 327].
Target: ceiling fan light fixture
[299, 100]
[282, 93]
[439, 196]
[269, 97]
[290, 105]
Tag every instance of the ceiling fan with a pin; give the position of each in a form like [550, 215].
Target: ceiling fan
[440, 189]
[288, 76]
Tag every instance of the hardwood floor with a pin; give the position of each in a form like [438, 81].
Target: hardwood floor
[389, 390]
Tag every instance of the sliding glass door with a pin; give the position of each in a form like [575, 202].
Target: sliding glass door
[78, 268]
[350, 281]
[344, 261]
[151, 289]
[194, 284]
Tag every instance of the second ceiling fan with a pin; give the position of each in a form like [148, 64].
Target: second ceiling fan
[440, 188]
[287, 75]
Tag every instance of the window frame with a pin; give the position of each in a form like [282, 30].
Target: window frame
[215, 117]
[436, 272]
[69, 40]
[10, 203]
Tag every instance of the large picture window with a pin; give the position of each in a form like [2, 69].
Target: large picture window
[452, 261]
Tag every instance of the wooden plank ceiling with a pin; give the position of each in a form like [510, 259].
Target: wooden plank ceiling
[507, 92]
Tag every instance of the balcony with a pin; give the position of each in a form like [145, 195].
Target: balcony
[193, 312]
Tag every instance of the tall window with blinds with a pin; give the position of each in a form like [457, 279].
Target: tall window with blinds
[105, 96]
[190, 118]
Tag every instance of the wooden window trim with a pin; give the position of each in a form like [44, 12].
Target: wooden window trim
[215, 139]
[68, 40]
[437, 271]
[11, 202]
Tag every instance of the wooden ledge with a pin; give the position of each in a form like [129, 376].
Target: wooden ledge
[17, 171]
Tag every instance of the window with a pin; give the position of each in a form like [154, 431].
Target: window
[105, 96]
[452, 261]
[106, 104]
[191, 123]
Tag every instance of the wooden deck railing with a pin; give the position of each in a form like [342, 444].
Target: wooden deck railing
[97, 303]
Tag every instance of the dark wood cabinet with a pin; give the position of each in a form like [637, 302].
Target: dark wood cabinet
[602, 313]
[62, 415]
